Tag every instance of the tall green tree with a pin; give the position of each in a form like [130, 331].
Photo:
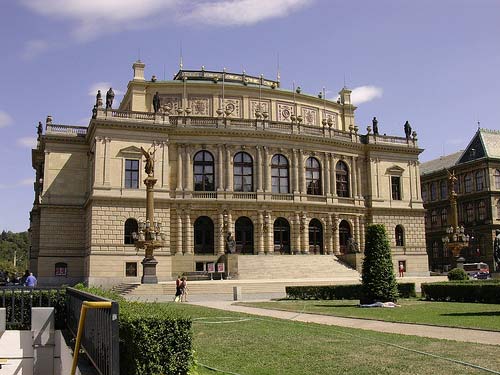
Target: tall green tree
[379, 281]
[14, 245]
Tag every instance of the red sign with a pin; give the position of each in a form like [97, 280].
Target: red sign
[220, 267]
[211, 267]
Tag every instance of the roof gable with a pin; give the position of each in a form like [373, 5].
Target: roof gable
[475, 149]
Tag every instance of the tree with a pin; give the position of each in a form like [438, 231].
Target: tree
[379, 281]
[14, 244]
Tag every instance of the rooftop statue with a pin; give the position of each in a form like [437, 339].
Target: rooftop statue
[39, 129]
[156, 102]
[375, 126]
[150, 161]
[98, 99]
[110, 96]
[407, 127]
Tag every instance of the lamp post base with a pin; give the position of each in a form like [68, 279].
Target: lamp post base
[149, 271]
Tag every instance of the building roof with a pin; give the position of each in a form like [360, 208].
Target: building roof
[444, 162]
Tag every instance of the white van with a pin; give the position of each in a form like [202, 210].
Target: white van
[477, 270]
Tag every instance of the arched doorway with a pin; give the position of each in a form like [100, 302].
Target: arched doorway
[204, 235]
[281, 236]
[315, 237]
[345, 236]
[244, 235]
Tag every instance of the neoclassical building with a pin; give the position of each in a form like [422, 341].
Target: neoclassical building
[289, 175]
[478, 204]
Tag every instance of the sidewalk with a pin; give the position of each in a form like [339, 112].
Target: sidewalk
[456, 334]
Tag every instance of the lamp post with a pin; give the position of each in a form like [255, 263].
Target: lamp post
[455, 238]
[150, 235]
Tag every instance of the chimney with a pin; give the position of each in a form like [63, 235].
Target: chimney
[138, 67]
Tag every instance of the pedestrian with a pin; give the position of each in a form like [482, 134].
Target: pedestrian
[184, 289]
[25, 276]
[31, 281]
[178, 292]
[401, 270]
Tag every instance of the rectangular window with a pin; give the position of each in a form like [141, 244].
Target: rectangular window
[131, 269]
[396, 188]
[131, 174]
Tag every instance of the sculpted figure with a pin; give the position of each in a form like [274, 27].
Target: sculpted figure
[39, 129]
[98, 99]
[110, 96]
[156, 102]
[496, 247]
[150, 161]
[375, 126]
[231, 243]
[407, 130]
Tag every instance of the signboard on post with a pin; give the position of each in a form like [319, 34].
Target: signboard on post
[210, 267]
[220, 269]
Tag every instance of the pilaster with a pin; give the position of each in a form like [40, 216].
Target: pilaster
[336, 235]
[258, 169]
[179, 168]
[326, 174]
[267, 170]
[260, 233]
[165, 167]
[107, 158]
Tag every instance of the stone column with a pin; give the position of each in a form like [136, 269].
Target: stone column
[267, 169]
[358, 172]
[219, 177]
[179, 168]
[165, 168]
[354, 173]
[297, 233]
[302, 180]
[99, 163]
[336, 236]
[258, 168]
[189, 169]
[295, 172]
[220, 239]
[179, 232]
[326, 174]
[189, 234]
[305, 233]
[333, 177]
[417, 177]
[229, 170]
[329, 235]
[107, 160]
[260, 233]
[357, 230]
[269, 234]
[362, 239]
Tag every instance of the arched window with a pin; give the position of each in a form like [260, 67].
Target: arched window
[130, 227]
[435, 250]
[243, 172]
[468, 183]
[433, 191]
[481, 210]
[344, 236]
[204, 171]
[469, 212]
[496, 176]
[400, 235]
[424, 193]
[244, 235]
[444, 217]
[279, 174]
[342, 179]
[204, 235]
[479, 181]
[61, 269]
[313, 176]
[443, 185]
[434, 218]
[315, 237]
[281, 236]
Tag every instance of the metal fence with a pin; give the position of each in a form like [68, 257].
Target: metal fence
[100, 337]
[18, 301]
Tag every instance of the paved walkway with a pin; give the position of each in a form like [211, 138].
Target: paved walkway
[457, 334]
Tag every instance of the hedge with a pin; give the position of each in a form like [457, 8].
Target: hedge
[350, 291]
[463, 291]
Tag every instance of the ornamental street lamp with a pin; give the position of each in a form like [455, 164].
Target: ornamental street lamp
[150, 235]
[455, 238]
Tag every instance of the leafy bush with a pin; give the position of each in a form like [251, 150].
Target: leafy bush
[457, 274]
[379, 282]
[350, 291]
[463, 291]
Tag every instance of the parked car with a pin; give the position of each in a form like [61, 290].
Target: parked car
[479, 271]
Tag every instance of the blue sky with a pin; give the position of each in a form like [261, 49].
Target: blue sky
[434, 63]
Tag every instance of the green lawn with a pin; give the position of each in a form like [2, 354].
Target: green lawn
[451, 314]
[249, 345]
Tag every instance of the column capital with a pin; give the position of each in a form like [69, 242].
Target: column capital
[107, 140]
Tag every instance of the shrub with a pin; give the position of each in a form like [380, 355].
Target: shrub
[350, 291]
[379, 282]
[457, 274]
[463, 291]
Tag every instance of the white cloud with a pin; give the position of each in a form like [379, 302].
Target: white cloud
[365, 94]
[27, 142]
[33, 48]
[241, 12]
[104, 87]
[92, 18]
[5, 119]
[23, 182]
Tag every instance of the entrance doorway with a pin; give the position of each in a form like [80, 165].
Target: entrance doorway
[315, 237]
[244, 235]
[204, 235]
[281, 236]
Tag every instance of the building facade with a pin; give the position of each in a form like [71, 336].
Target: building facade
[282, 172]
[478, 204]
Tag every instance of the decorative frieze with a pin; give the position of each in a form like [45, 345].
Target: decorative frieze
[200, 105]
[284, 111]
[310, 116]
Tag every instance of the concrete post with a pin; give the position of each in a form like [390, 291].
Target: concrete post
[43, 331]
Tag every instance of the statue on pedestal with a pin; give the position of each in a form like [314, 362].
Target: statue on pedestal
[496, 247]
[156, 102]
[230, 243]
[375, 126]
[150, 161]
[98, 99]
[407, 127]
[110, 96]
[39, 129]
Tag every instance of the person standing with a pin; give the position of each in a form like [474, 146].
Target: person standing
[401, 270]
[31, 281]
[184, 289]
[178, 292]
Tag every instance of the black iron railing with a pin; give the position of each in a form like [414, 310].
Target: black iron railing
[100, 337]
[18, 302]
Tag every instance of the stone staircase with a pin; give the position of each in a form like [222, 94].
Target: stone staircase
[124, 288]
[293, 267]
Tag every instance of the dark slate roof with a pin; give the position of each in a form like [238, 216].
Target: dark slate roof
[444, 162]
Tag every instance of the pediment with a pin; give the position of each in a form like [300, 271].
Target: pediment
[395, 169]
[131, 150]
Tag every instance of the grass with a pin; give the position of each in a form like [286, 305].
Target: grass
[248, 345]
[449, 314]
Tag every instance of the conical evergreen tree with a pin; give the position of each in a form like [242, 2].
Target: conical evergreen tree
[379, 281]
